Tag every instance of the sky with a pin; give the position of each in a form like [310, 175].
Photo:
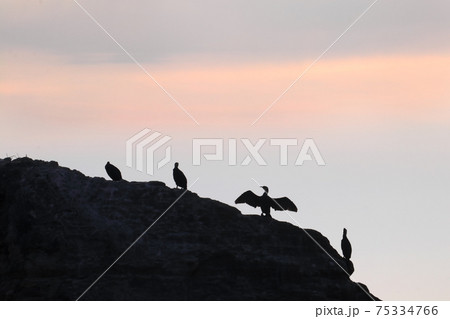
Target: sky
[376, 104]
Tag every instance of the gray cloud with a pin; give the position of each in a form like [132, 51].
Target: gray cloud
[161, 30]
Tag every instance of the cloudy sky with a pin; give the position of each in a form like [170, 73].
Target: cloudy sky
[376, 104]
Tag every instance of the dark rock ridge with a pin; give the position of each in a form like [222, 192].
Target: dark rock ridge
[60, 230]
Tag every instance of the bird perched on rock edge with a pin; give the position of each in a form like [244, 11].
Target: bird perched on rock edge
[265, 202]
[113, 172]
[179, 177]
[346, 246]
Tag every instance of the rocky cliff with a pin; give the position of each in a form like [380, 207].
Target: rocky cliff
[59, 230]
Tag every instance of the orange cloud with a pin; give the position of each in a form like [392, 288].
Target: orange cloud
[353, 89]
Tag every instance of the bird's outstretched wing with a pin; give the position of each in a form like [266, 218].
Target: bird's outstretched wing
[285, 203]
[249, 198]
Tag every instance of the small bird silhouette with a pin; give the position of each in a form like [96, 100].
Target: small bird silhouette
[346, 246]
[113, 172]
[347, 252]
[265, 202]
[179, 177]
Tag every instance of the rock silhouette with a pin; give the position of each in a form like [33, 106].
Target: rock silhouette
[350, 267]
[59, 230]
[179, 177]
[113, 172]
[265, 202]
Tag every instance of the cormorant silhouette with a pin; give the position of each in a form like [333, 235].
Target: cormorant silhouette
[113, 172]
[179, 177]
[346, 246]
[266, 202]
[347, 252]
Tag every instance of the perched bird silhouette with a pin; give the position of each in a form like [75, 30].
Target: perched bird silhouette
[265, 202]
[113, 172]
[347, 252]
[346, 246]
[179, 177]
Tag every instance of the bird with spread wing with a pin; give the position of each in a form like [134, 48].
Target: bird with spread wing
[265, 202]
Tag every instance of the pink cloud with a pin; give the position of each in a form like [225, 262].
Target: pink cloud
[217, 95]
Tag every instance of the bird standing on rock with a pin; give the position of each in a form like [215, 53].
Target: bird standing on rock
[346, 246]
[113, 172]
[179, 177]
[347, 252]
[265, 202]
